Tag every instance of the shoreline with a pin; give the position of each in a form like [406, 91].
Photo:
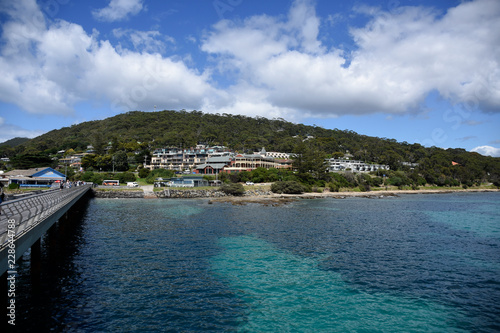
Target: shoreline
[274, 198]
[277, 198]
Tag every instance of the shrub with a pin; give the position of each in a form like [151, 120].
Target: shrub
[317, 189]
[287, 187]
[13, 186]
[97, 178]
[340, 180]
[143, 172]
[233, 189]
[377, 181]
[126, 177]
[159, 173]
[306, 188]
[364, 187]
[334, 187]
[85, 176]
[396, 181]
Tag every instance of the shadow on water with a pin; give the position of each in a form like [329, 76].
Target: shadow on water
[39, 289]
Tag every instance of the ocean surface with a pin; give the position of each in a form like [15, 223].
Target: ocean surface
[414, 263]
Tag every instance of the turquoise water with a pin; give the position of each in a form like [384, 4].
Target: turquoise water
[285, 292]
[416, 263]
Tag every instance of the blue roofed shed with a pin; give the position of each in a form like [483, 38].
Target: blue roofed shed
[36, 177]
[188, 181]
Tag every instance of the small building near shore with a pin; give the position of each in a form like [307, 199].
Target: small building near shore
[189, 181]
[36, 177]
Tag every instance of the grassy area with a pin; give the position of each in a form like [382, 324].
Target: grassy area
[117, 188]
[24, 190]
[385, 188]
[159, 189]
[142, 182]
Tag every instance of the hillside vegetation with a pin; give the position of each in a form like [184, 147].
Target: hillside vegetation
[138, 131]
[14, 142]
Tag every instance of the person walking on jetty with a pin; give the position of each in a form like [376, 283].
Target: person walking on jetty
[2, 196]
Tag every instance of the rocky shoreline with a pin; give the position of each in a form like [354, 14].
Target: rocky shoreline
[185, 194]
[139, 194]
[262, 196]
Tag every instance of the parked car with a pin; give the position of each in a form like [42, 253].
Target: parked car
[132, 184]
[250, 183]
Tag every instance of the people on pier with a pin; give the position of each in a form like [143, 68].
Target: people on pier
[2, 196]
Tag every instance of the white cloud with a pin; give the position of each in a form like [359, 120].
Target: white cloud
[118, 10]
[401, 57]
[51, 68]
[487, 151]
[144, 41]
[277, 66]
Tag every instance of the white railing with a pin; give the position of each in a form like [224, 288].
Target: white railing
[29, 211]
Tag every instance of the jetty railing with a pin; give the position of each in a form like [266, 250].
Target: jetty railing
[26, 213]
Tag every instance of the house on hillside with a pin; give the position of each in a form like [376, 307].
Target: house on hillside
[213, 166]
[36, 177]
[273, 154]
[344, 164]
[184, 159]
[74, 161]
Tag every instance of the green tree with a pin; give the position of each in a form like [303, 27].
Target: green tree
[35, 160]
[125, 177]
[104, 163]
[89, 162]
[144, 155]
[310, 159]
[98, 142]
[120, 161]
[143, 172]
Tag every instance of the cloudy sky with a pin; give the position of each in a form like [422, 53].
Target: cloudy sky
[413, 70]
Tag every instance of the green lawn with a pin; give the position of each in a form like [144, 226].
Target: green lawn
[142, 182]
[159, 189]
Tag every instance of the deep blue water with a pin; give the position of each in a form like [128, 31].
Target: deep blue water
[415, 263]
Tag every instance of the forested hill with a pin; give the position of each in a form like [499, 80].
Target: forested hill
[148, 130]
[186, 129]
[14, 142]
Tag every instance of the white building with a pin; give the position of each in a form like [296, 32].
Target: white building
[184, 159]
[341, 164]
[273, 154]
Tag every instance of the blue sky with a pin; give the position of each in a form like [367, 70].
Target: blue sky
[412, 70]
